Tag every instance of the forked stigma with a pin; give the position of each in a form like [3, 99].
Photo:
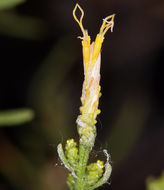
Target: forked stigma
[79, 21]
[108, 23]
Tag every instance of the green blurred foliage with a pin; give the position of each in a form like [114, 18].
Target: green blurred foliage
[15, 25]
[6, 4]
[15, 117]
[155, 183]
[128, 127]
[16, 167]
[50, 94]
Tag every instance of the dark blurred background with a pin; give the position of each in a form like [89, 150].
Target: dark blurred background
[41, 69]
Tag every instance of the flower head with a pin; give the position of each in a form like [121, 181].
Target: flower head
[91, 61]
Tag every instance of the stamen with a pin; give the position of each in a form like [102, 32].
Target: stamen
[79, 21]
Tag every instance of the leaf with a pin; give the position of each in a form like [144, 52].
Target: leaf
[6, 4]
[15, 117]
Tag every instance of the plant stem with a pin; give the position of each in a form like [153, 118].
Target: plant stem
[83, 159]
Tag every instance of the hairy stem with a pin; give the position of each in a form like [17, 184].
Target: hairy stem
[83, 160]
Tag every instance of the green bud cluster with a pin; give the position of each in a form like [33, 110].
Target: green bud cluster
[71, 152]
[94, 172]
[93, 175]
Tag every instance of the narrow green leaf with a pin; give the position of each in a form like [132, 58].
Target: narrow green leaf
[6, 4]
[15, 117]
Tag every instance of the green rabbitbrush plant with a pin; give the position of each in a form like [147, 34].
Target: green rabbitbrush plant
[83, 176]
